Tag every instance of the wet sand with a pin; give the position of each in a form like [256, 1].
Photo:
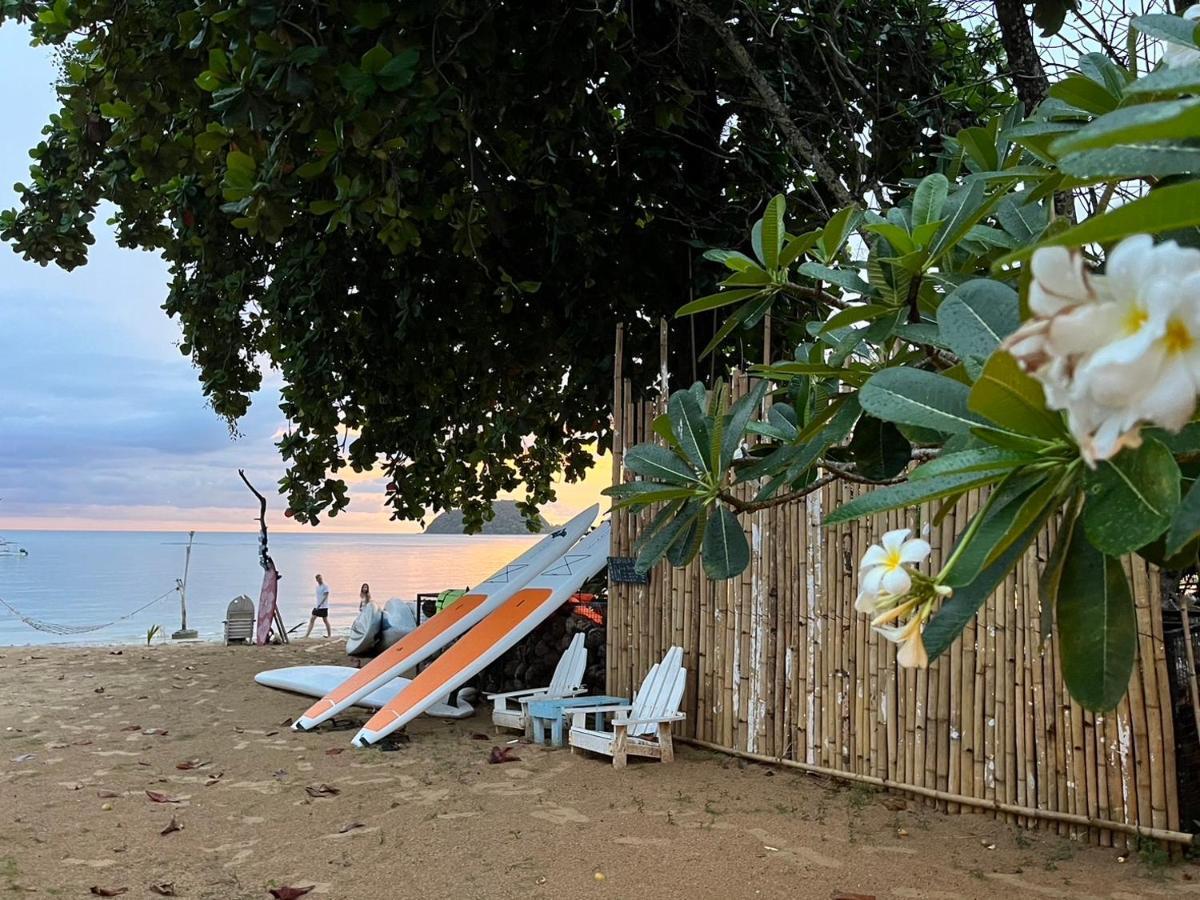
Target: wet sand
[87, 733]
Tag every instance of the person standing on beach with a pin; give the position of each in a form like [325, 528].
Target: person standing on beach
[321, 610]
[364, 596]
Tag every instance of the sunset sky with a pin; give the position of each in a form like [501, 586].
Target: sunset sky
[103, 421]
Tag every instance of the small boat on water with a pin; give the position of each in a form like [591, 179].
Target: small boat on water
[8, 548]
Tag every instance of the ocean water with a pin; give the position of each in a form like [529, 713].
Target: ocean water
[90, 577]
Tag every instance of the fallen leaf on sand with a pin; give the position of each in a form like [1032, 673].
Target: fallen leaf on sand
[895, 804]
[279, 774]
[479, 736]
[132, 728]
[271, 734]
[100, 690]
[502, 755]
[108, 892]
[116, 652]
[322, 790]
[334, 751]
[174, 826]
[159, 731]
[192, 764]
[24, 757]
[164, 889]
[107, 794]
[350, 826]
[286, 722]
[213, 779]
[158, 797]
[290, 893]
[142, 762]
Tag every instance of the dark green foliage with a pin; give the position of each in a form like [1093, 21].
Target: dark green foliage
[428, 216]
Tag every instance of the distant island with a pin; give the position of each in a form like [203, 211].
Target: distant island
[508, 520]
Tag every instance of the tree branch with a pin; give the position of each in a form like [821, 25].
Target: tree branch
[799, 144]
[1028, 76]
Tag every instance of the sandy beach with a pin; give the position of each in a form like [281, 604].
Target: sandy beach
[92, 736]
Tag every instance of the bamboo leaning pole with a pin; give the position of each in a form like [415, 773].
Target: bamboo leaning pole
[1158, 834]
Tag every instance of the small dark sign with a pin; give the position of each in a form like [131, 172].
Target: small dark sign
[621, 570]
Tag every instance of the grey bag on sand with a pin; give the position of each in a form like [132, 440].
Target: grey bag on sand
[399, 619]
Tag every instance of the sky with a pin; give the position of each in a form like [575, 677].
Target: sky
[103, 424]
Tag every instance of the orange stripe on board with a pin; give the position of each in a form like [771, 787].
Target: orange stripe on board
[432, 681]
[406, 646]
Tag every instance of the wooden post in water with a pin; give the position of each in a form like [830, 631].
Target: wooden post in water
[184, 633]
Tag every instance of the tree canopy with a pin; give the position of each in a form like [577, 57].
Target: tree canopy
[428, 216]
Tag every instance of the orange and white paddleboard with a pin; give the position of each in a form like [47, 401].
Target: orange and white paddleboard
[491, 638]
[435, 633]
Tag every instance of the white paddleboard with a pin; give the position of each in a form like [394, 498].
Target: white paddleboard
[316, 681]
[364, 631]
[435, 633]
[491, 638]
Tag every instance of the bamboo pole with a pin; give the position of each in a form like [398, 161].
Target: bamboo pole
[1158, 834]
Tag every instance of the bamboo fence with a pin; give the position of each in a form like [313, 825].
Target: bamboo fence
[781, 668]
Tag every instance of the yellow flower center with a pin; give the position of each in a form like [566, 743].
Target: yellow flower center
[893, 560]
[1135, 318]
[1178, 339]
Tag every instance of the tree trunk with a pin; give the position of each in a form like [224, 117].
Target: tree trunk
[1024, 64]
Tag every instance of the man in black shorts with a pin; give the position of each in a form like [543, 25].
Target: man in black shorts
[321, 610]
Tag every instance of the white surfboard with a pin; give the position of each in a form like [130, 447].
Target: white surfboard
[364, 631]
[435, 633]
[491, 638]
[317, 681]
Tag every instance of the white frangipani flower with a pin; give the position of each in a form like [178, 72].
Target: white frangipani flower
[1177, 56]
[911, 654]
[882, 568]
[1116, 350]
[897, 597]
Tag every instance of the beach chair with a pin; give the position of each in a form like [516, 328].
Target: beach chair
[511, 709]
[239, 620]
[654, 710]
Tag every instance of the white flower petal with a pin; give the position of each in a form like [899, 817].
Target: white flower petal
[896, 581]
[875, 556]
[915, 551]
[866, 602]
[893, 540]
[1059, 281]
[872, 581]
[912, 653]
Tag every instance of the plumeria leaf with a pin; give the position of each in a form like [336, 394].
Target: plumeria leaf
[731, 259]
[1166, 120]
[1131, 498]
[715, 301]
[928, 198]
[1051, 578]
[1133, 160]
[984, 459]
[725, 551]
[909, 493]
[1165, 208]
[916, 397]
[772, 231]
[1175, 29]
[687, 544]
[1013, 400]
[1097, 626]
[835, 233]
[739, 417]
[1185, 525]
[673, 527]
[1021, 499]
[659, 463]
[948, 622]
[976, 317]
[880, 451]
[687, 421]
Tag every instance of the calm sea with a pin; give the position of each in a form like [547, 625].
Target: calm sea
[89, 577]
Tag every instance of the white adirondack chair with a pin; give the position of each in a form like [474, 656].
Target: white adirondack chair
[654, 710]
[511, 709]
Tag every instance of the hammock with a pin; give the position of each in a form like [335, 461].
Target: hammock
[56, 628]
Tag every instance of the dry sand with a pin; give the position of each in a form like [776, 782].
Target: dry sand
[86, 733]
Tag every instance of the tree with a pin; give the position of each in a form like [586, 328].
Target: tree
[973, 339]
[429, 215]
